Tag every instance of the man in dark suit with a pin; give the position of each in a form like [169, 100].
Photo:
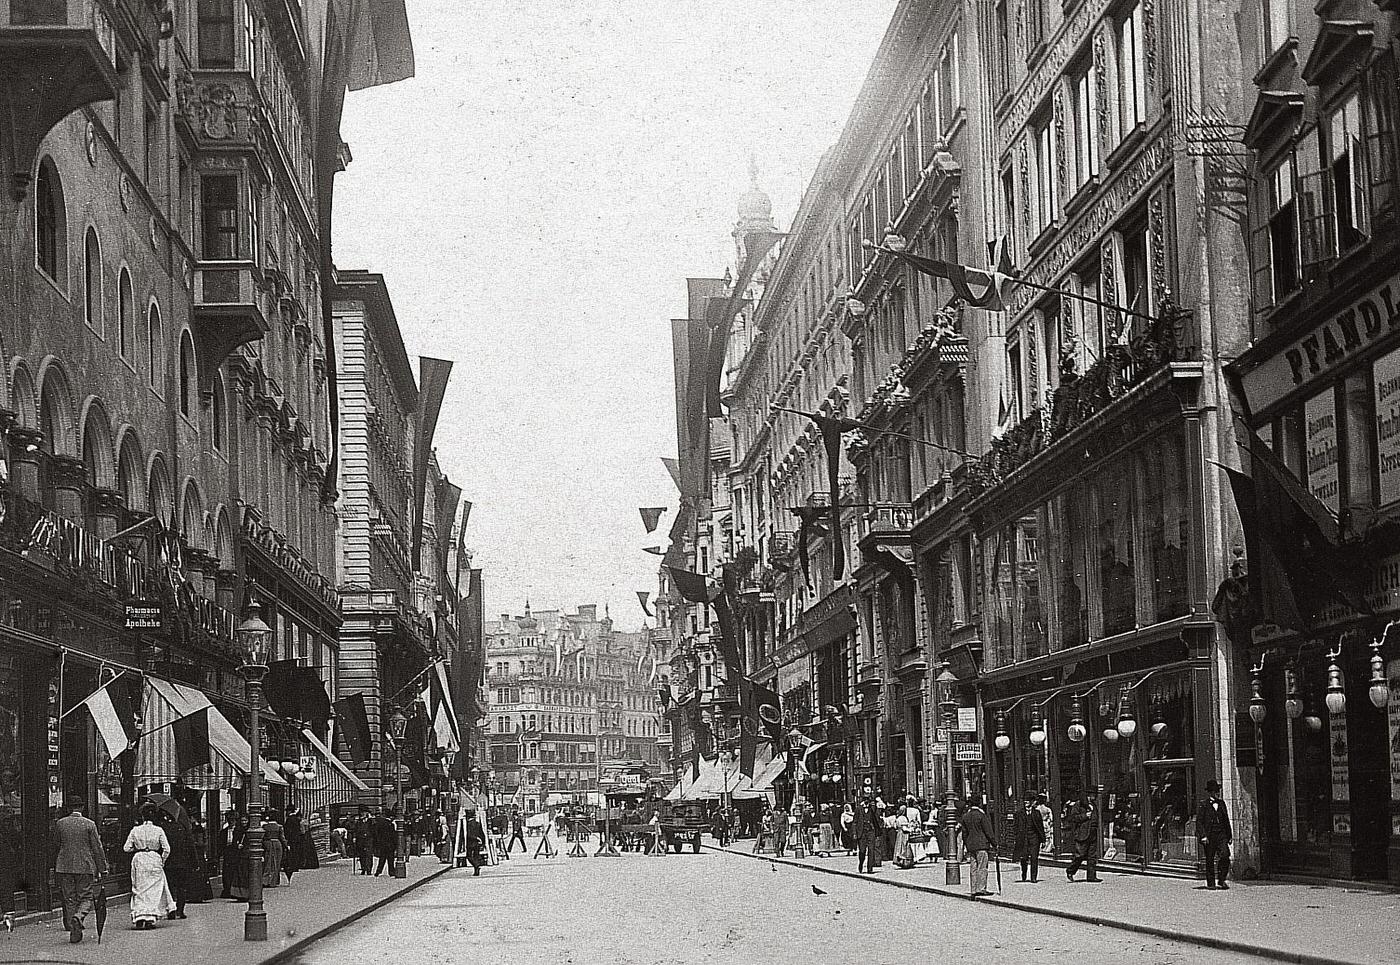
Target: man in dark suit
[474, 841]
[1083, 825]
[362, 837]
[1213, 829]
[869, 831]
[979, 839]
[386, 841]
[80, 861]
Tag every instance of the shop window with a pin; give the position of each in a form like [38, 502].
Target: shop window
[1169, 767]
[1066, 549]
[1167, 525]
[1117, 587]
[92, 281]
[216, 41]
[1132, 71]
[1346, 163]
[50, 225]
[1001, 597]
[219, 216]
[1031, 638]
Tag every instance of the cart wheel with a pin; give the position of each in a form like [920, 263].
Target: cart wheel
[697, 845]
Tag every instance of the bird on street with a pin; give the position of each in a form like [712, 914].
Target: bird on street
[817, 891]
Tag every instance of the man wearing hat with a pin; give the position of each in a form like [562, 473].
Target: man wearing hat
[1213, 828]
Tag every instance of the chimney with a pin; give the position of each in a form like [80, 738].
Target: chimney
[589, 612]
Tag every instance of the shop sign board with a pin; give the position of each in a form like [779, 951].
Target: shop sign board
[1385, 381]
[1328, 347]
[143, 615]
[1324, 470]
[970, 753]
[967, 719]
[1392, 713]
[1341, 757]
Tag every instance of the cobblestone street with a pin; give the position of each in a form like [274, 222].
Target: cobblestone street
[712, 908]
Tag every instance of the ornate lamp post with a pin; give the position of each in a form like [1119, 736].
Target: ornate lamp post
[254, 637]
[949, 704]
[398, 723]
[795, 742]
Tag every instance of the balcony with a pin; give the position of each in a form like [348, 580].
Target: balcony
[885, 521]
[55, 57]
[230, 310]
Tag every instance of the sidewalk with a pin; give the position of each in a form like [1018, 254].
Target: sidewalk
[1312, 924]
[318, 901]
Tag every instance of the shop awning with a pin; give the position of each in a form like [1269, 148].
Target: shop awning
[335, 783]
[763, 780]
[162, 703]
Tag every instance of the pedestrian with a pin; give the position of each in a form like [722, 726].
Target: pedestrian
[80, 862]
[1027, 835]
[1213, 828]
[869, 830]
[845, 824]
[517, 831]
[385, 841]
[150, 892]
[473, 840]
[294, 833]
[362, 837]
[979, 839]
[235, 861]
[1082, 825]
[274, 849]
[184, 869]
[780, 831]
[229, 853]
[1047, 818]
[903, 846]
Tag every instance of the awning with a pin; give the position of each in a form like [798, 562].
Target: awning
[164, 702]
[335, 783]
[763, 780]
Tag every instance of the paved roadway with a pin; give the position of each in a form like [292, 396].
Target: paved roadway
[714, 909]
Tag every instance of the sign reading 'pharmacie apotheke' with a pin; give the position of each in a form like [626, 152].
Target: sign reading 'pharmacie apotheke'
[1327, 347]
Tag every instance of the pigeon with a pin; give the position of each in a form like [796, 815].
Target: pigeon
[817, 891]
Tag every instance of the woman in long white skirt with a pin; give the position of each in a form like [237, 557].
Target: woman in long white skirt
[150, 893]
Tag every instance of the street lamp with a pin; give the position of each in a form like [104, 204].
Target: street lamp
[947, 681]
[253, 637]
[398, 723]
[795, 745]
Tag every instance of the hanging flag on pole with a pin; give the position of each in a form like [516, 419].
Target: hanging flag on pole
[809, 522]
[642, 597]
[192, 747]
[831, 430]
[114, 716]
[987, 290]
[651, 516]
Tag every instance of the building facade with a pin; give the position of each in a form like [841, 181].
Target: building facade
[567, 698]
[167, 389]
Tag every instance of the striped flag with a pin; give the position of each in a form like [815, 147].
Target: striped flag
[115, 719]
[192, 747]
[42, 535]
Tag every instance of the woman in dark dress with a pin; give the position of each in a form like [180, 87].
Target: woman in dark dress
[235, 860]
[293, 831]
[184, 869]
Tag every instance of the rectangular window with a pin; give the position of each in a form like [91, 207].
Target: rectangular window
[1346, 161]
[1047, 200]
[1035, 25]
[1016, 378]
[1132, 72]
[1008, 202]
[1283, 232]
[215, 24]
[1086, 140]
[150, 146]
[947, 95]
[219, 216]
[1003, 51]
[1136, 294]
[1277, 25]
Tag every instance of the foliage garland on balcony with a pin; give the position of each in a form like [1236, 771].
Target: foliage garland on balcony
[1078, 398]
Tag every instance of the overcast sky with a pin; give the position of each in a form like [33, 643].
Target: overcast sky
[536, 198]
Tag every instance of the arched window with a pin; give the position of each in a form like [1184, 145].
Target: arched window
[92, 281]
[187, 374]
[49, 225]
[125, 325]
[217, 411]
[155, 347]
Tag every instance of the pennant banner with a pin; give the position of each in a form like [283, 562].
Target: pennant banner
[353, 714]
[642, 597]
[831, 430]
[432, 376]
[112, 712]
[809, 522]
[692, 587]
[651, 516]
[987, 290]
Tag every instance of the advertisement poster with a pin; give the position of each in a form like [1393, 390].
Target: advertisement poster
[1392, 713]
[1386, 382]
[1324, 478]
[1341, 757]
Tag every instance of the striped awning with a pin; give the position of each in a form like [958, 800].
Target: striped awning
[335, 783]
[162, 703]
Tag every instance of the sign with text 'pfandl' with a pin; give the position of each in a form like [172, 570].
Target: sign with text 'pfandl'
[1324, 472]
[1385, 380]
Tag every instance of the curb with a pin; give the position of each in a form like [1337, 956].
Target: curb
[1221, 944]
[299, 946]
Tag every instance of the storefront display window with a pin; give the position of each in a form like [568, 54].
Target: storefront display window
[1030, 624]
[1170, 770]
[1117, 589]
[1002, 597]
[1118, 766]
[1166, 522]
[1066, 549]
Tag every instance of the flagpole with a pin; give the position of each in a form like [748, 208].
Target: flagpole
[884, 432]
[131, 529]
[89, 696]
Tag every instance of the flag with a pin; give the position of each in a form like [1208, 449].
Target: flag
[462, 546]
[760, 703]
[693, 587]
[353, 714]
[656, 550]
[192, 747]
[651, 516]
[804, 770]
[987, 290]
[748, 748]
[432, 376]
[380, 46]
[1003, 413]
[809, 520]
[1302, 567]
[114, 716]
[673, 466]
[725, 606]
[831, 430]
[42, 535]
[642, 597]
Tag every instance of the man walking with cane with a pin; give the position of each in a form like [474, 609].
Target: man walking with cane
[979, 840]
[80, 862]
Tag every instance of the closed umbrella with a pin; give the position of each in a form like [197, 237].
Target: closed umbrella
[99, 907]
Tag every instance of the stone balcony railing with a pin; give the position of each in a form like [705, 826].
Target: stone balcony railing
[885, 519]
